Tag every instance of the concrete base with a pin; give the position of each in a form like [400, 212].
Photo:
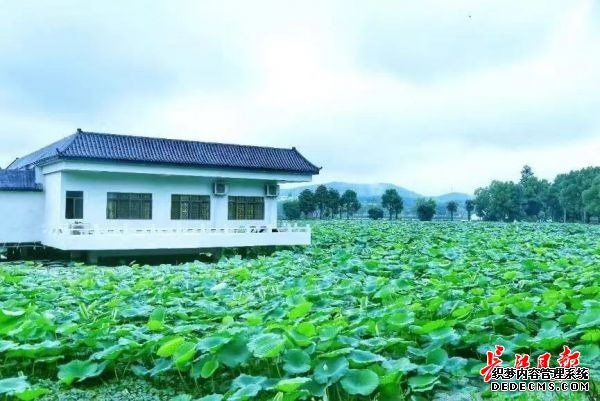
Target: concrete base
[178, 241]
[92, 258]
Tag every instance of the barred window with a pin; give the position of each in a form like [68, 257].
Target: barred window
[128, 206]
[190, 207]
[74, 205]
[246, 208]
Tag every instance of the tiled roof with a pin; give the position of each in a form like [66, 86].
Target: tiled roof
[18, 180]
[110, 147]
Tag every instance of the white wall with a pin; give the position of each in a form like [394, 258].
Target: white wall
[21, 216]
[95, 186]
[54, 209]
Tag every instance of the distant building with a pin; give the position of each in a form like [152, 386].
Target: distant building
[116, 194]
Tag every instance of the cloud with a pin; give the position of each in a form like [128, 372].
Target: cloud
[431, 95]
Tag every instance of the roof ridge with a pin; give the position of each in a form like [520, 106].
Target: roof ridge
[51, 148]
[305, 159]
[70, 141]
[182, 140]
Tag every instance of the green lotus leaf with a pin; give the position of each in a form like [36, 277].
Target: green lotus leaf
[437, 356]
[245, 393]
[213, 343]
[401, 319]
[300, 310]
[247, 380]
[209, 368]
[13, 385]
[156, 322]
[296, 361]
[170, 347]
[364, 357]
[182, 397]
[402, 365]
[184, 353]
[363, 381]
[291, 385]
[32, 393]
[234, 353]
[422, 383]
[79, 370]
[266, 345]
[211, 397]
[330, 370]
[522, 308]
[590, 318]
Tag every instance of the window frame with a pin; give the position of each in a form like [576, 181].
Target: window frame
[245, 208]
[202, 202]
[74, 199]
[117, 203]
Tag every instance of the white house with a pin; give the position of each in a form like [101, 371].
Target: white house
[114, 194]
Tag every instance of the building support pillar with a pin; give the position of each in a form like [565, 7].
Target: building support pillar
[75, 255]
[92, 258]
[24, 253]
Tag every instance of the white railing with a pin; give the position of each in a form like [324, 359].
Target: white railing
[95, 230]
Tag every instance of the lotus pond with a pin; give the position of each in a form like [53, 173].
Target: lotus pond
[371, 311]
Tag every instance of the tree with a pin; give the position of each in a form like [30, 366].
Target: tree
[591, 198]
[501, 201]
[452, 207]
[526, 173]
[533, 194]
[469, 206]
[321, 199]
[569, 190]
[333, 202]
[482, 203]
[350, 203]
[291, 209]
[306, 202]
[391, 201]
[570, 197]
[375, 213]
[425, 209]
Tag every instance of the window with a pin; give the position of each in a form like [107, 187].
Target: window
[74, 205]
[246, 208]
[190, 207]
[126, 206]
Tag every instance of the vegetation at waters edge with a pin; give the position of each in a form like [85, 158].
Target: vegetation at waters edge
[572, 197]
[380, 310]
[375, 213]
[452, 208]
[426, 209]
[569, 198]
[391, 201]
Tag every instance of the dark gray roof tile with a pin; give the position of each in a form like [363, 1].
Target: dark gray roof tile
[99, 146]
[18, 180]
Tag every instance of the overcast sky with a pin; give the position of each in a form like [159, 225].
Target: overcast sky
[435, 96]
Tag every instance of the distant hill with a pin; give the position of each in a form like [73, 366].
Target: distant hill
[452, 196]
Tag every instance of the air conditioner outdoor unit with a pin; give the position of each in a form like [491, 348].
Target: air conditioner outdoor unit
[272, 190]
[220, 188]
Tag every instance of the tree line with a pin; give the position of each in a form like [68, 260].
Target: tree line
[322, 203]
[574, 196]
[326, 203]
